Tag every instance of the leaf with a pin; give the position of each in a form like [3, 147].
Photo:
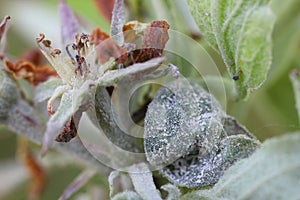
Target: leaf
[190, 138]
[272, 172]
[3, 26]
[57, 121]
[143, 183]
[129, 195]
[45, 90]
[241, 31]
[133, 72]
[3, 30]
[71, 104]
[295, 79]
[173, 191]
[78, 183]
[69, 23]
[9, 94]
[117, 22]
[112, 176]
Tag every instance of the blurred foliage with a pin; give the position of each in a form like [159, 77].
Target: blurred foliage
[268, 112]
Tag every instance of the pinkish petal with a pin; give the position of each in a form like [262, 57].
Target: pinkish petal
[117, 22]
[3, 28]
[69, 23]
[105, 7]
[78, 183]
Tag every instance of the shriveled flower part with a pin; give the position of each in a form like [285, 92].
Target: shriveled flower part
[80, 76]
[3, 29]
[190, 138]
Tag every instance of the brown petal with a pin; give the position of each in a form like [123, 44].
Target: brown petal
[41, 74]
[97, 36]
[154, 41]
[35, 170]
[34, 56]
[69, 132]
[105, 7]
[109, 49]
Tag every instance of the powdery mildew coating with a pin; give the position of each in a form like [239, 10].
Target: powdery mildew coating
[186, 136]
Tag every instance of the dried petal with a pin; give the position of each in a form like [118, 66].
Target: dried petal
[109, 49]
[36, 171]
[154, 41]
[34, 56]
[28, 71]
[97, 36]
[43, 73]
[69, 132]
[105, 7]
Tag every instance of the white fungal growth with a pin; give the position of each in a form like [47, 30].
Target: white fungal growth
[186, 136]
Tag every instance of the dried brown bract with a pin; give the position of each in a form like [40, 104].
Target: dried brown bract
[29, 71]
[97, 36]
[154, 41]
[35, 170]
[69, 132]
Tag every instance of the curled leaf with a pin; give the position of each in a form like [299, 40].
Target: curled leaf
[241, 31]
[190, 138]
[180, 114]
[272, 172]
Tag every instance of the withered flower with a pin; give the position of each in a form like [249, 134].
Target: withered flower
[92, 61]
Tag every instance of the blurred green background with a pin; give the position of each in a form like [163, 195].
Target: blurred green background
[268, 112]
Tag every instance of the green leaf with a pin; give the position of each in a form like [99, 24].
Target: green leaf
[295, 78]
[272, 172]
[241, 31]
